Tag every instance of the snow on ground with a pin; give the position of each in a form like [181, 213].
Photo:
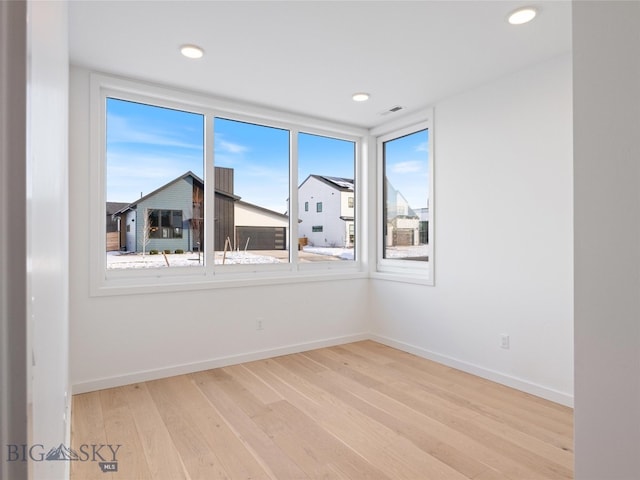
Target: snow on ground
[412, 251]
[342, 253]
[123, 260]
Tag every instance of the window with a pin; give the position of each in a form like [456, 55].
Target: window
[326, 173]
[251, 192]
[165, 223]
[406, 180]
[213, 188]
[154, 167]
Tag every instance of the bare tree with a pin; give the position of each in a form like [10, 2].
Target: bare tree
[147, 228]
[197, 218]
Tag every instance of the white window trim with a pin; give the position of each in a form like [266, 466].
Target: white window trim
[404, 270]
[122, 282]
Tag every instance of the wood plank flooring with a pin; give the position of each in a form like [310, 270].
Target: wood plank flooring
[356, 411]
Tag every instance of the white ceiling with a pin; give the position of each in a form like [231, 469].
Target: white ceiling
[310, 56]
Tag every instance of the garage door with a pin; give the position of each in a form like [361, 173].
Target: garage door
[261, 238]
[403, 237]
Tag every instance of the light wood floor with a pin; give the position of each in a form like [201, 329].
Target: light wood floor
[357, 411]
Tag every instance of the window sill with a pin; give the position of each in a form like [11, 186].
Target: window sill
[418, 278]
[198, 282]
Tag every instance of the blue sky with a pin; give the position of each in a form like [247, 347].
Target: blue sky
[148, 147]
[407, 167]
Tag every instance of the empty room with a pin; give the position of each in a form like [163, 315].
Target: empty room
[320, 239]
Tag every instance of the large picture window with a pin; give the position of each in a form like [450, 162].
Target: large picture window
[204, 192]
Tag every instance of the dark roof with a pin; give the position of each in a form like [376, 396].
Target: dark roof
[113, 207]
[339, 183]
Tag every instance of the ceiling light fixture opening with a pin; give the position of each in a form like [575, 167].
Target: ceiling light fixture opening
[191, 51]
[522, 15]
[360, 97]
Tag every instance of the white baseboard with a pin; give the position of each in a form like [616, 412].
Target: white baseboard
[155, 374]
[514, 382]
[146, 375]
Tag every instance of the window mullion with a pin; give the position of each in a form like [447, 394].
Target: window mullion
[209, 194]
[293, 198]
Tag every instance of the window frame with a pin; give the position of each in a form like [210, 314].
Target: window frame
[105, 281]
[395, 269]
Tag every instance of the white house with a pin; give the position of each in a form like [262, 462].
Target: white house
[258, 228]
[327, 211]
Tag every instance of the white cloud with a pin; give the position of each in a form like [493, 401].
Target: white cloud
[423, 147]
[230, 147]
[121, 130]
[410, 166]
[128, 174]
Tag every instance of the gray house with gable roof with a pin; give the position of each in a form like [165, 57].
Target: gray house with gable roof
[172, 218]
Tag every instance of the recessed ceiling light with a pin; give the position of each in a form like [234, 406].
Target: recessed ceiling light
[191, 51]
[360, 97]
[522, 15]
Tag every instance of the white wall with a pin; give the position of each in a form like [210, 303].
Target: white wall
[48, 228]
[122, 339]
[503, 237]
[247, 216]
[13, 253]
[606, 42]
[333, 228]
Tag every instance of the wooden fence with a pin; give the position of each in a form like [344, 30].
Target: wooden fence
[113, 241]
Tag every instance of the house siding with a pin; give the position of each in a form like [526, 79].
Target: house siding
[177, 196]
[335, 230]
[224, 208]
[224, 221]
[130, 231]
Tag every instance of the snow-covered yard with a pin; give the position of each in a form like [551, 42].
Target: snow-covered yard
[341, 253]
[123, 260]
[413, 251]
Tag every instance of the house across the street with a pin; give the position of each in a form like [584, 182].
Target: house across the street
[327, 211]
[172, 217]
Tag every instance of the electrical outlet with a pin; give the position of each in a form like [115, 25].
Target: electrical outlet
[504, 341]
[259, 324]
